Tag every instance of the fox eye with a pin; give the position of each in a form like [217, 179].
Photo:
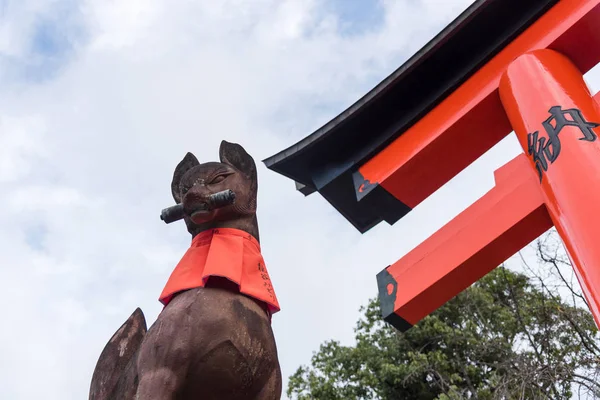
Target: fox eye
[218, 179]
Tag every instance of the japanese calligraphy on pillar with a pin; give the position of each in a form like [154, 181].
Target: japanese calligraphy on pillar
[545, 150]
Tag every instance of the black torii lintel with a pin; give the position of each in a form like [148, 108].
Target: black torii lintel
[325, 160]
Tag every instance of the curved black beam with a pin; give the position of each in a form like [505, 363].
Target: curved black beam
[325, 160]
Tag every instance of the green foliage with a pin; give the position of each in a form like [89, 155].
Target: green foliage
[503, 338]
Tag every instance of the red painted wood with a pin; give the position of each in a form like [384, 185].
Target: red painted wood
[495, 227]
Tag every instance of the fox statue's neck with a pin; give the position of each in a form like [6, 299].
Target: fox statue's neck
[247, 224]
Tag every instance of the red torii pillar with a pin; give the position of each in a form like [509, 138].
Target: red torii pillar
[568, 160]
[556, 182]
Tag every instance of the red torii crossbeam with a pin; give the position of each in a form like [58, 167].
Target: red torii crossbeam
[534, 86]
[479, 239]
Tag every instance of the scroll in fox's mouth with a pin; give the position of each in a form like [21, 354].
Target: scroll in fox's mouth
[199, 211]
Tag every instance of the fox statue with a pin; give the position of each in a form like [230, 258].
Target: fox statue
[213, 338]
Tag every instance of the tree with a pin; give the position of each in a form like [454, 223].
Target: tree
[509, 336]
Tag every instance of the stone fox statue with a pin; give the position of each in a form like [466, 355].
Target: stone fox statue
[213, 339]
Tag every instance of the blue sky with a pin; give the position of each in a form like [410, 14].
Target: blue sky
[47, 45]
[357, 16]
[55, 33]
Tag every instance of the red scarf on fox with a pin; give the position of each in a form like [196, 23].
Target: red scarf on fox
[225, 252]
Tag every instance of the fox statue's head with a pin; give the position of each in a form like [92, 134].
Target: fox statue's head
[193, 182]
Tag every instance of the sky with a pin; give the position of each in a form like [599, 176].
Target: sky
[100, 99]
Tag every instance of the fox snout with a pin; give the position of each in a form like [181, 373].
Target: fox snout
[196, 199]
[196, 207]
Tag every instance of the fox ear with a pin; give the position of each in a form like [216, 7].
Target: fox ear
[234, 155]
[188, 162]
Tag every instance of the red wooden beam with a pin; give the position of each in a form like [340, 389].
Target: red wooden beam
[472, 120]
[495, 227]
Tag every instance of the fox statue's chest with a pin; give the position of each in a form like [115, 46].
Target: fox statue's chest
[224, 253]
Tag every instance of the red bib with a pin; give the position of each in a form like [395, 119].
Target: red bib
[228, 253]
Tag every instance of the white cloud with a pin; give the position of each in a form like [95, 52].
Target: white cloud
[119, 25]
[20, 142]
[86, 158]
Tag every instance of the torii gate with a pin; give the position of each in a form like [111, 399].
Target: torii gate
[501, 66]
